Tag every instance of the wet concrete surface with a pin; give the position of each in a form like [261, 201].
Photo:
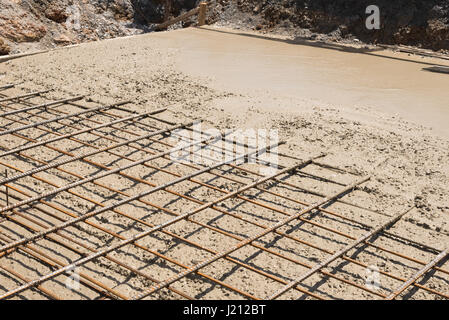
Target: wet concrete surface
[391, 82]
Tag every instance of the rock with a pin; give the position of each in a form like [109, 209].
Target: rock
[439, 33]
[62, 39]
[122, 10]
[4, 48]
[58, 15]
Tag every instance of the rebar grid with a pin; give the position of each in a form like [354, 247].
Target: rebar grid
[173, 229]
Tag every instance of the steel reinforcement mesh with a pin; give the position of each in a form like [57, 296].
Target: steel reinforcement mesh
[93, 205]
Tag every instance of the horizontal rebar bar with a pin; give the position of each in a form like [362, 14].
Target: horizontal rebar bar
[69, 135]
[23, 96]
[8, 86]
[36, 124]
[154, 127]
[45, 105]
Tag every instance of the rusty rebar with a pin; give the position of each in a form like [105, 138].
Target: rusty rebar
[338, 254]
[423, 287]
[251, 239]
[215, 208]
[418, 274]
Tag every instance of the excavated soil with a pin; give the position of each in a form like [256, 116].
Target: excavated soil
[39, 24]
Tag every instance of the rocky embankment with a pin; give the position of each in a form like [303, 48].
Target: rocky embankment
[27, 25]
[39, 24]
[407, 22]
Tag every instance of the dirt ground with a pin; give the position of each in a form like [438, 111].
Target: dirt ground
[402, 149]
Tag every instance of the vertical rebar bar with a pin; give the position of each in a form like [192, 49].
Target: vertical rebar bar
[6, 189]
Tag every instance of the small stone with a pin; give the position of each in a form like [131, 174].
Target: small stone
[4, 48]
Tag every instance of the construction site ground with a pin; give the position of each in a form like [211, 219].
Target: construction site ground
[372, 112]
